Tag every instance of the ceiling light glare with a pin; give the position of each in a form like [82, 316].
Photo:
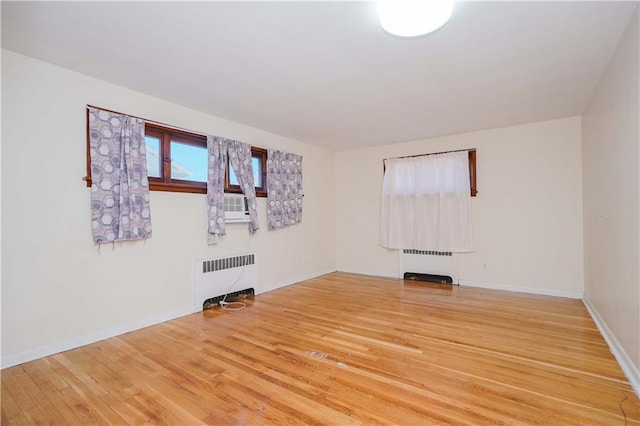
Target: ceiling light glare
[411, 18]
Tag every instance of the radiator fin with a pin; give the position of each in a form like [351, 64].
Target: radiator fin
[227, 263]
[427, 252]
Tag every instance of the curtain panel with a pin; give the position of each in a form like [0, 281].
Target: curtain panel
[217, 163]
[120, 187]
[239, 155]
[241, 161]
[426, 203]
[284, 189]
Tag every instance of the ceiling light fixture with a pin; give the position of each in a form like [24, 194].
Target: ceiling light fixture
[411, 18]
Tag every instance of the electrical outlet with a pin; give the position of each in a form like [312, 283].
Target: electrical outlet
[484, 266]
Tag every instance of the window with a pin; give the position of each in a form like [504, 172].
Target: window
[472, 172]
[259, 164]
[177, 161]
[472, 169]
[415, 192]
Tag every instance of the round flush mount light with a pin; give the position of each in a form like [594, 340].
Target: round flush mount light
[411, 18]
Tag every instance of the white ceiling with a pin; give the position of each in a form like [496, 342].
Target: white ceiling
[324, 72]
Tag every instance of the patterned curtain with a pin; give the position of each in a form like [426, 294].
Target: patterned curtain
[284, 189]
[217, 148]
[120, 188]
[240, 159]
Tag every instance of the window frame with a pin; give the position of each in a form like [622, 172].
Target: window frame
[166, 181]
[472, 172]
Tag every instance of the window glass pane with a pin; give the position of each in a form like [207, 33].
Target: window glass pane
[154, 161]
[188, 162]
[257, 173]
[233, 179]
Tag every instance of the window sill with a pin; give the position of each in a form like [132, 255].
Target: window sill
[178, 187]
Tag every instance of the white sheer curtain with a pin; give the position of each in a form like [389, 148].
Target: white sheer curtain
[426, 203]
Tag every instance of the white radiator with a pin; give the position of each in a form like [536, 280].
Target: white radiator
[224, 275]
[429, 262]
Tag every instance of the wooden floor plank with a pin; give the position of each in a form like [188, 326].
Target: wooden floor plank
[12, 410]
[340, 349]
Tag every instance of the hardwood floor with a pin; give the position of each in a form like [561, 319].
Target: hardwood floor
[340, 349]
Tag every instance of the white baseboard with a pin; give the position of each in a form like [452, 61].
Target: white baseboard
[367, 272]
[76, 342]
[628, 367]
[519, 289]
[491, 286]
[295, 280]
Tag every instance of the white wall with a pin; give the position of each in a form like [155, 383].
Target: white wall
[58, 289]
[611, 159]
[527, 217]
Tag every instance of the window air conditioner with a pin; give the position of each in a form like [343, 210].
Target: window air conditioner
[236, 209]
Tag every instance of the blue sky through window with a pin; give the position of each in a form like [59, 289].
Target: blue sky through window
[193, 159]
[257, 173]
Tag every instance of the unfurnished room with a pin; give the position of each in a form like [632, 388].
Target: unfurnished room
[390, 212]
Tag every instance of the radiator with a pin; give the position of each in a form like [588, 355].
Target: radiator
[222, 276]
[429, 262]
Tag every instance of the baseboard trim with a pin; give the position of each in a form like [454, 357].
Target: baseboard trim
[519, 289]
[295, 280]
[363, 272]
[628, 368]
[490, 286]
[76, 342]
